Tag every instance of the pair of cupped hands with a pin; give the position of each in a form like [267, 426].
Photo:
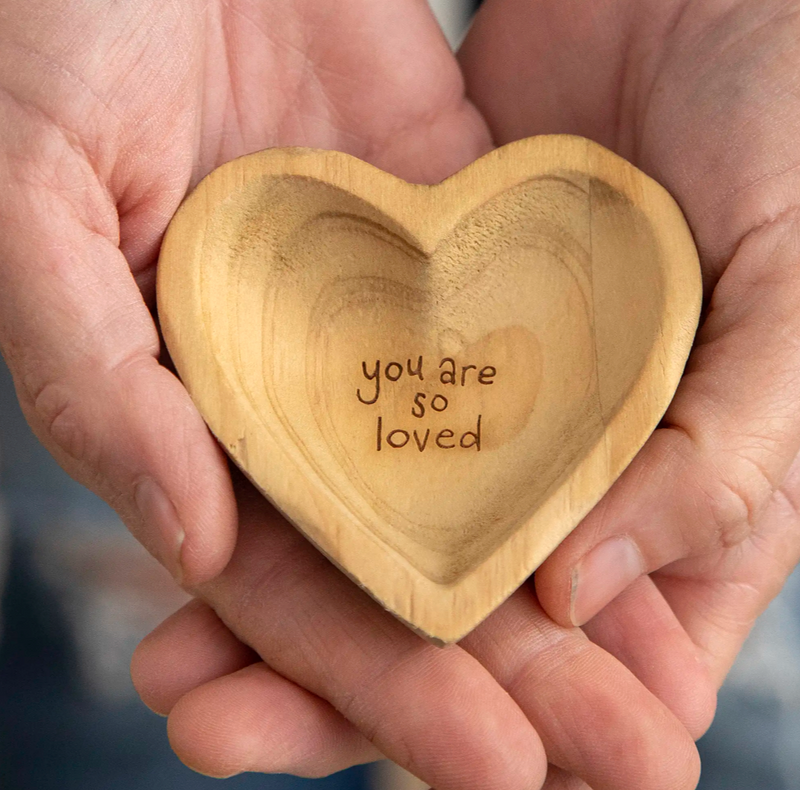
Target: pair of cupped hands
[111, 111]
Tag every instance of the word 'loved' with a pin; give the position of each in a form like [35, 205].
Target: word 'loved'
[450, 375]
[445, 439]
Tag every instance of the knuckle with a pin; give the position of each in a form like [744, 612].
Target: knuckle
[732, 514]
[353, 705]
[358, 705]
[60, 413]
[736, 500]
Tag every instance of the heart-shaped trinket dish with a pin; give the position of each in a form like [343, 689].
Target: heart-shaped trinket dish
[434, 383]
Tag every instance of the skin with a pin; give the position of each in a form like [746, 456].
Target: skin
[110, 112]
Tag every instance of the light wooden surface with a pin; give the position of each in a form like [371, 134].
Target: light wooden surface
[435, 384]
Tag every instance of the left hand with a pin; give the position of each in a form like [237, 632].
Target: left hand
[703, 97]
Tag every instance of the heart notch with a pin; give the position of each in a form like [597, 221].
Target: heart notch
[434, 383]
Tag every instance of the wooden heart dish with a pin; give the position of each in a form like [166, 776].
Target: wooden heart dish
[434, 383]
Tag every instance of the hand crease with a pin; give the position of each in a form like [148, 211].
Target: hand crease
[785, 216]
[69, 136]
[757, 29]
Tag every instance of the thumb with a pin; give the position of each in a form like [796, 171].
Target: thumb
[83, 350]
[702, 481]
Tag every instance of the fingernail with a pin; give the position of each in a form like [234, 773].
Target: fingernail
[161, 521]
[602, 575]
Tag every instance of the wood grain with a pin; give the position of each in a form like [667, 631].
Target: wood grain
[434, 383]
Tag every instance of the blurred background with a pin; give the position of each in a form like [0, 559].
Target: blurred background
[79, 593]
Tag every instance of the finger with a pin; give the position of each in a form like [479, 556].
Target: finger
[437, 712]
[83, 349]
[212, 731]
[193, 646]
[229, 712]
[640, 629]
[587, 708]
[718, 598]
[256, 720]
[189, 649]
[701, 483]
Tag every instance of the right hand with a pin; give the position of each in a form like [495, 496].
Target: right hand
[109, 114]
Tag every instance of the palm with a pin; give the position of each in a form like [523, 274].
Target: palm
[704, 99]
[198, 89]
[136, 101]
